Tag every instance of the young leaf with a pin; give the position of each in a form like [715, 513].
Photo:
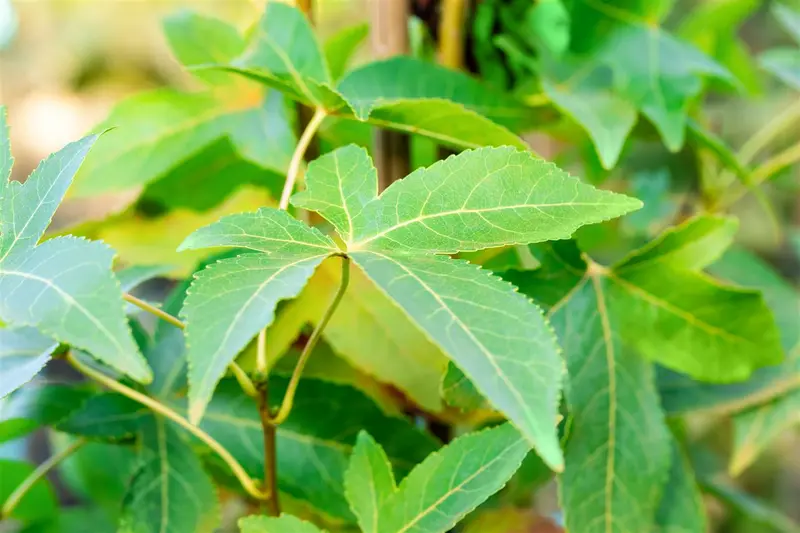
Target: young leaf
[229, 303]
[23, 354]
[313, 451]
[453, 481]
[283, 524]
[692, 245]
[482, 199]
[617, 454]
[339, 186]
[368, 482]
[170, 492]
[682, 509]
[65, 288]
[496, 336]
[340, 48]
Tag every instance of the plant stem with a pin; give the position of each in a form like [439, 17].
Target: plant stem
[241, 376]
[291, 389]
[297, 156]
[157, 407]
[765, 171]
[262, 365]
[268, 429]
[451, 33]
[41, 471]
[153, 310]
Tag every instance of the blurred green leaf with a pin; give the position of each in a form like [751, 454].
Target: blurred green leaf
[783, 63]
[342, 46]
[39, 503]
[37, 406]
[283, 524]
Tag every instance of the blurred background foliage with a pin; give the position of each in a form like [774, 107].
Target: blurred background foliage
[66, 64]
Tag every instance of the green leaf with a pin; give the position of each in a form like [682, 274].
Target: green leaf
[692, 245]
[133, 276]
[617, 453]
[368, 482]
[758, 427]
[405, 78]
[588, 98]
[283, 53]
[688, 322]
[23, 354]
[482, 199]
[36, 406]
[197, 39]
[342, 46]
[783, 63]
[6, 159]
[453, 481]
[38, 504]
[267, 230]
[313, 451]
[444, 121]
[549, 25]
[26, 209]
[339, 186]
[170, 492]
[682, 509]
[789, 18]
[65, 288]
[458, 391]
[496, 336]
[158, 131]
[717, 146]
[639, 54]
[107, 416]
[228, 304]
[283, 524]
[594, 21]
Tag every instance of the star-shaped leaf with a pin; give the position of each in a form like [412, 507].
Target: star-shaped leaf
[63, 287]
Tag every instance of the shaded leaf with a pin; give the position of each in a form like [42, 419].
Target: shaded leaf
[789, 18]
[39, 503]
[682, 509]
[283, 524]
[158, 131]
[717, 146]
[617, 453]
[170, 492]
[313, 451]
[37, 406]
[485, 198]
[228, 303]
[496, 336]
[453, 481]
[368, 482]
[757, 511]
[458, 391]
[23, 354]
[107, 416]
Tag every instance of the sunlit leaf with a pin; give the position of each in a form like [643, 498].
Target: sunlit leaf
[283, 524]
[342, 46]
[369, 482]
